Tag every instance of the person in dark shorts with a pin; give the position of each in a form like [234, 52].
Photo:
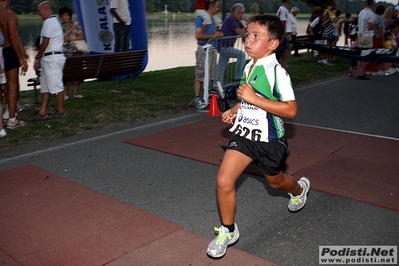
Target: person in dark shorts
[259, 136]
[14, 57]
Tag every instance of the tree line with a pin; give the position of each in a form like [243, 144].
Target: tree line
[30, 6]
[153, 6]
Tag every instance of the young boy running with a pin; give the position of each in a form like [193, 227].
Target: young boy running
[259, 134]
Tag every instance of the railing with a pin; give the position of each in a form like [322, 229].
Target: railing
[226, 46]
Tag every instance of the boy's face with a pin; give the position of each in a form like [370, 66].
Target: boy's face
[257, 44]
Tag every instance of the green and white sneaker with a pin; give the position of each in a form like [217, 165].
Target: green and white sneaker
[217, 247]
[298, 202]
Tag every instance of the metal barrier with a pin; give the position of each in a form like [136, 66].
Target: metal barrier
[231, 59]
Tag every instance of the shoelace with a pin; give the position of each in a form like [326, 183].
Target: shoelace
[295, 200]
[221, 236]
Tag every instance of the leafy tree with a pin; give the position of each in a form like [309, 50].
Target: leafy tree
[254, 8]
[149, 6]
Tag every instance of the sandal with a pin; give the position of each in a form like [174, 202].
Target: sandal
[78, 96]
[38, 117]
[58, 115]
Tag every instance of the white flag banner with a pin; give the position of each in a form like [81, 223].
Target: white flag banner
[97, 23]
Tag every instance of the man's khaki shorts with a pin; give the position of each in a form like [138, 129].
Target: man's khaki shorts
[200, 63]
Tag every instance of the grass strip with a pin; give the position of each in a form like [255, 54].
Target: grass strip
[157, 93]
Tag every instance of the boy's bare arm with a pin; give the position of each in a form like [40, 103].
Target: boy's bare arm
[288, 109]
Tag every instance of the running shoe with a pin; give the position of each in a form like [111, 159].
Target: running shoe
[217, 247]
[298, 202]
[199, 103]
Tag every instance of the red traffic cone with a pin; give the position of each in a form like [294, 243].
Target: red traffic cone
[214, 107]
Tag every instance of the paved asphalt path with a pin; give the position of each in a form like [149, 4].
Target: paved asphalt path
[183, 190]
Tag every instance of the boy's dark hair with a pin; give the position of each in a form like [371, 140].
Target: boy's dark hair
[320, 12]
[209, 4]
[348, 15]
[63, 10]
[273, 25]
[369, 2]
[338, 12]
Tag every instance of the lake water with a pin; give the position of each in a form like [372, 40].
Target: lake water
[171, 43]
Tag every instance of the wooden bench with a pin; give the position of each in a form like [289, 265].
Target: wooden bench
[99, 66]
[104, 66]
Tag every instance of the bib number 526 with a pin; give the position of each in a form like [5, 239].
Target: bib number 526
[256, 134]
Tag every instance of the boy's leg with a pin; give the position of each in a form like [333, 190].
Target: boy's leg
[298, 190]
[233, 165]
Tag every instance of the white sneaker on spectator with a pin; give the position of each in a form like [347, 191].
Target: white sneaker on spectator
[3, 133]
[391, 71]
[6, 114]
[379, 73]
[14, 123]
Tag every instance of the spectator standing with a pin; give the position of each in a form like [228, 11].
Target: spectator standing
[283, 15]
[204, 32]
[3, 81]
[72, 32]
[313, 16]
[354, 32]
[122, 20]
[329, 14]
[337, 23]
[347, 22]
[52, 61]
[266, 96]
[394, 41]
[316, 30]
[366, 28]
[378, 39]
[294, 27]
[14, 57]
[231, 27]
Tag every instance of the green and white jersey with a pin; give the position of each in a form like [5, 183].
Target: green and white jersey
[269, 80]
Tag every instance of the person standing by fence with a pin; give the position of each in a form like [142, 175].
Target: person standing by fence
[282, 14]
[204, 32]
[294, 26]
